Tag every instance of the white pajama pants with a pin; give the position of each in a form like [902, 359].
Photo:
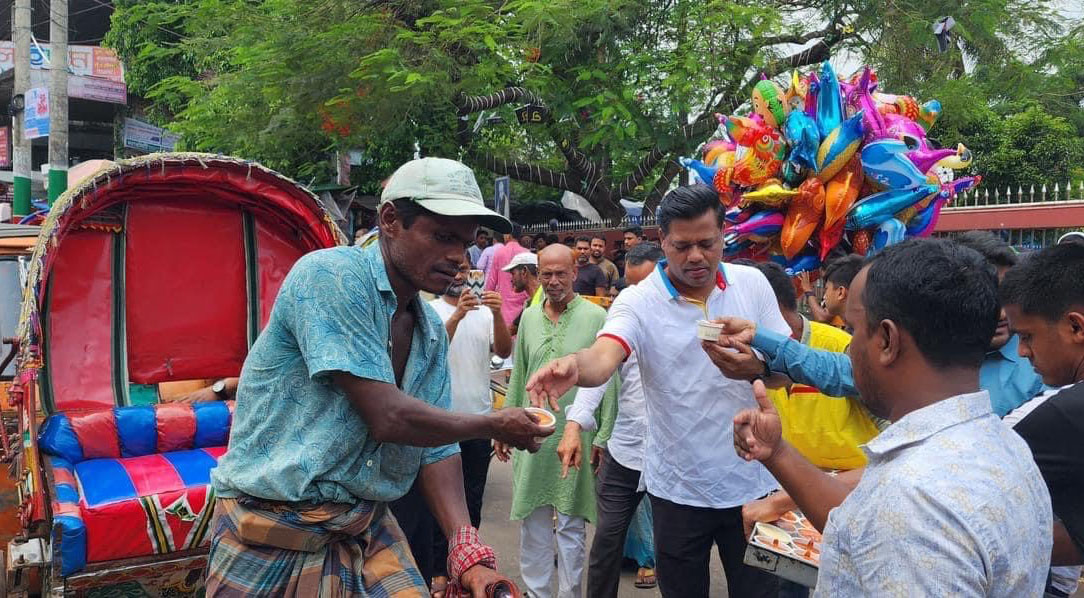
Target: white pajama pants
[536, 550]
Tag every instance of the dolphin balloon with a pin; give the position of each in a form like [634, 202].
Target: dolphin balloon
[759, 226]
[886, 163]
[829, 101]
[801, 132]
[890, 232]
[877, 208]
[838, 147]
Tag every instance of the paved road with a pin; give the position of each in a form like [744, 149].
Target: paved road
[503, 535]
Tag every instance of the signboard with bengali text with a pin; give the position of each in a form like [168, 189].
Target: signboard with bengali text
[85, 61]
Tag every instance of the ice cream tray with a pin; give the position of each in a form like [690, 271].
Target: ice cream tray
[789, 547]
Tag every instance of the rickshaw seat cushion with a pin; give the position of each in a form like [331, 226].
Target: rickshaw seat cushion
[135, 431]
[67, 517]
[133, 481]
[115, 508]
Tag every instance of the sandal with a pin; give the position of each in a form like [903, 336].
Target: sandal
[439, 586]
[645, 578]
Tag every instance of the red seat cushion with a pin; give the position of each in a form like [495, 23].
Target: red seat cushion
[152, 504]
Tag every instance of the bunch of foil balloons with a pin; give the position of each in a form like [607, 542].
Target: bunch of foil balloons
[827, 163]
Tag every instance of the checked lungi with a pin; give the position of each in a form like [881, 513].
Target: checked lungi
[328, 550]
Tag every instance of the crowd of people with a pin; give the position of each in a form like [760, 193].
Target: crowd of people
[924, 412]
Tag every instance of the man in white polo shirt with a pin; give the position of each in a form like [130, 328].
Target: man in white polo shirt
[696, 483]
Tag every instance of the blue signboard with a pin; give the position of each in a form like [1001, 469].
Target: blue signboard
[36, 112]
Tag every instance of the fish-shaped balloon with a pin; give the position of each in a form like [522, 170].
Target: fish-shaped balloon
[759, 226]
[928, 113]
[905, 106]
[829, 101]
[713, 176]
[886, 163]
[841, 192]
[906, 130]
[839, 147]
[830, 237]
[771, 193]
[768, 102]
[803, 217]
[890, 232]
[801, 132]
[760, 153]
[879, 207]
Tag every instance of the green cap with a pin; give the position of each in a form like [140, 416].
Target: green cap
[444, 187]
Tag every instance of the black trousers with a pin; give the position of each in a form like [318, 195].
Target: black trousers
[476, 455]
[427, 542]
[683, 539]
[616, 500]
[418, 525]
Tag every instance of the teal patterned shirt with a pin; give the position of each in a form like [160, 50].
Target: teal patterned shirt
[295, 436]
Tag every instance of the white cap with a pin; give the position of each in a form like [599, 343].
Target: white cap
[1072, 237]
[521, 259]
[444, 187]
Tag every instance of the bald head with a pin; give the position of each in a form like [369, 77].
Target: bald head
[556, 254]
[556, 273]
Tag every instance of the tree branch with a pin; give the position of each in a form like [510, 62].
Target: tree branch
[521, 171]
[797, 38]
[471, 104]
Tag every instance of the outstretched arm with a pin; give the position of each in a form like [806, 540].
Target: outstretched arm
[827, 371]
[393, 416]
[586, 368]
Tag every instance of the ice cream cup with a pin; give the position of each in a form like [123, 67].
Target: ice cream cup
[708, 331]
[544, 418]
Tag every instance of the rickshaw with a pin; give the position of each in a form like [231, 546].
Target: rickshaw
[155, 270]
[16, 243]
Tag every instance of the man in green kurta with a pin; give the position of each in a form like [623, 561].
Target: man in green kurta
[561, 325]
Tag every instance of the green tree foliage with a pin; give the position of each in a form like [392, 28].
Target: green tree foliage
[626, 85]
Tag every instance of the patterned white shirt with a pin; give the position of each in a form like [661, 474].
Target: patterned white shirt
[951, 504]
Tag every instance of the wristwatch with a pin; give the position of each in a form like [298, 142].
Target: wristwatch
[219, 388]
[765, 374]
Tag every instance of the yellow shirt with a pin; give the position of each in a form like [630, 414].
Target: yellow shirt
[826, 430]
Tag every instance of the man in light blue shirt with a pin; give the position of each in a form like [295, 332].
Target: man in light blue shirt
[951, 502]
[1008, 378]
[343, 401]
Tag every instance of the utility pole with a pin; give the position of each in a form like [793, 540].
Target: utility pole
[58, 99]
[20, 145]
